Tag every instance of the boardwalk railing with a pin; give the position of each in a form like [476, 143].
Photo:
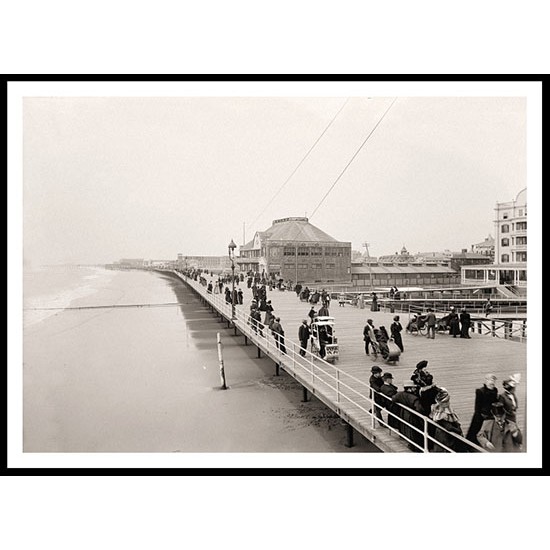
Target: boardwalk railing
[351, 398]
[509, 329]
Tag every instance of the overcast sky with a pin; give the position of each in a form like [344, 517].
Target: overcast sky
[150, 177]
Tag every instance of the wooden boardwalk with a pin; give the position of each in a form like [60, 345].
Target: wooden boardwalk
[457, 364]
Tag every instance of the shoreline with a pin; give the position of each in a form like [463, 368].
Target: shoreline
[147, 380]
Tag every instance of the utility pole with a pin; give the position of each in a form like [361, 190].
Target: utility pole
[366, 245]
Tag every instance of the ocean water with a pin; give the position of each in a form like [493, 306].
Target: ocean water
[48, 290]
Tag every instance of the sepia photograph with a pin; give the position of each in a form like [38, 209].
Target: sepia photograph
[275, 274]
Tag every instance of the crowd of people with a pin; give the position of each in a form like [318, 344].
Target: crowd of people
[493, 425]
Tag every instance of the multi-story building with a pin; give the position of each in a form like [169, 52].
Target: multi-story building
[296, 250]
[510, 261]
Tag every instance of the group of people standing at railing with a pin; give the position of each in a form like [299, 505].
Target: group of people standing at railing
[270, 321]
[493, 425]
[457, 325]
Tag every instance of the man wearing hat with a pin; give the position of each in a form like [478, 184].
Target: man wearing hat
[420, 374]
[278, 334]
[485, 397]
[499, 434]
[465, 322]
[454, 323]
[388, 390]
[508, 396]
[409, 398]
[430, 323]
[368, 335]
[303, 335]
[375, 382]
[268, 308]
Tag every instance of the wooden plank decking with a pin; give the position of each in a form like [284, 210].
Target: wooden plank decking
[457, 364]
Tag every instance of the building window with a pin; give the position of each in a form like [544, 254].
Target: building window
[521, 211]
[505, 228]
[331, 266]
[522, 275]
[505, 258]
[289, 251]
[302, 266]
[473, 274]
[505, 242]
[289, 266]
[316, 251]
[521, 226]
[521, 256]
[316, 266]
[505, 216]
[521, 240]
[303, 251]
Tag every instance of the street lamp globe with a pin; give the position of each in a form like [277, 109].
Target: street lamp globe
[231, 246]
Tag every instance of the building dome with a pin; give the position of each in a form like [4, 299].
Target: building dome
[521, 199]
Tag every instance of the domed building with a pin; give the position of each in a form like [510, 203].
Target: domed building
[402, 258]
[294, 249]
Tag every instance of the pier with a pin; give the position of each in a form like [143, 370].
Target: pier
[459, 365]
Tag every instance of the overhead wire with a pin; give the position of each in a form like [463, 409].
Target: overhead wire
[345, 168]
[352, 158]
[300, 163]
[341, 173]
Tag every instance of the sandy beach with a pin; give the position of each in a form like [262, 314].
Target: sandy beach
[147, 379]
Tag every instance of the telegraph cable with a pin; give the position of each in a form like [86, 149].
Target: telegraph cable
[352, 158]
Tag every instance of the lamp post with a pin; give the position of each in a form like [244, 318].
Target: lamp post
[231, 247]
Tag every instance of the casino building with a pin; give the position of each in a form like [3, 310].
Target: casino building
[296, 250]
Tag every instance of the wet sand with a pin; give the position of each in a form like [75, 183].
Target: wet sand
[147, 380]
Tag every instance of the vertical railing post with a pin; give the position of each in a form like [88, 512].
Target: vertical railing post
[220, 358]
[349, 435]
[493, 327]
[425, 435]
[372, 410]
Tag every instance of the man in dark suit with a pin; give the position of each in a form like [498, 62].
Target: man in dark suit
[465, 322]
[303, 335]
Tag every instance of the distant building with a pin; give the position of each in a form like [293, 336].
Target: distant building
[459, 259]
[131, 263]
[486, 247]
[510, 258]
[403, 275]
[294, 249]
[402, 257]
[210, 263]
[161, 264]
[440, 257]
